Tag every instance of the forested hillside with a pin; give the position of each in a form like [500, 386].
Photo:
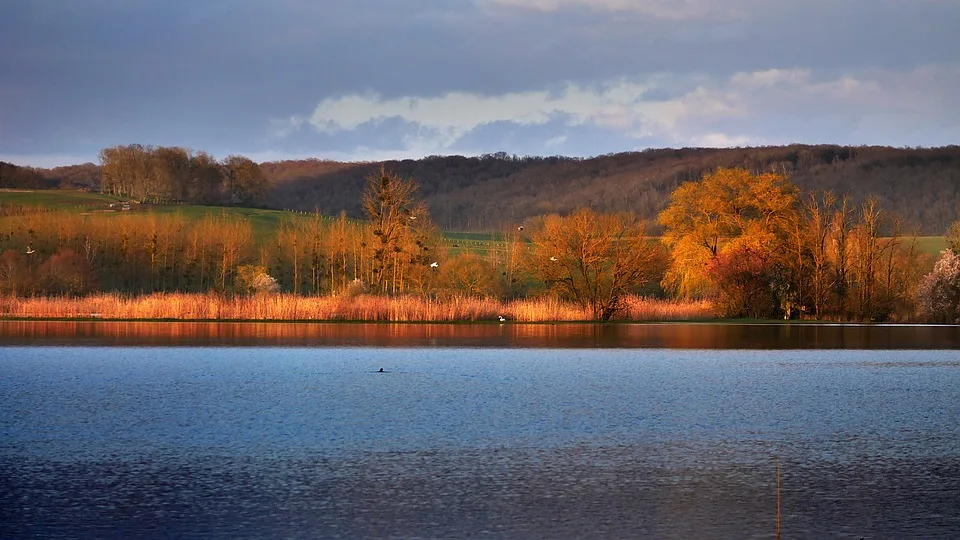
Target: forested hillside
[495, 191]
[13, 176]
[83, 176]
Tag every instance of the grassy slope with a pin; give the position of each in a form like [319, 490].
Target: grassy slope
[266, 222]
[59, 199]
[932, 244]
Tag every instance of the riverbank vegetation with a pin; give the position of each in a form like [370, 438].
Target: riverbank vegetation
[735, 243]
[364, 307]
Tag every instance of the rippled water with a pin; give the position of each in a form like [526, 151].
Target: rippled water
[251, 442]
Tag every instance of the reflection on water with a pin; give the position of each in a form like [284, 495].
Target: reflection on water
[560, 335]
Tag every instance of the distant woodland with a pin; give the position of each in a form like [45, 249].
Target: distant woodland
[495, 192]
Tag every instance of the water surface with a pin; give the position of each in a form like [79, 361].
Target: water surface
[555, 335]
[457, 442]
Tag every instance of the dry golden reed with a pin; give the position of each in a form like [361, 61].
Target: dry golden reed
[290, 307]
[653, 309]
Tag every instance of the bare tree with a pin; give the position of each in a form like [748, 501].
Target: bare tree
[396, 214]
[594, 260]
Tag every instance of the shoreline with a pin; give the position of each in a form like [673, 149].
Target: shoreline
[588, 322]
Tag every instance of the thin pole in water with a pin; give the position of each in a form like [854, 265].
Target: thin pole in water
[778, 497]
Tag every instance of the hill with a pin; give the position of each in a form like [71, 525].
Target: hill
[83, 176]
[496, 191]
[16, 177]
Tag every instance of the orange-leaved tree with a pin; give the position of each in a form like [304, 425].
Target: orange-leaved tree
[594, 260]
[728, 210]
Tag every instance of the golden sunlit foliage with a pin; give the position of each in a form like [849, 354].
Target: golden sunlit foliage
[750, 243]
[730, 209]
[594, 260]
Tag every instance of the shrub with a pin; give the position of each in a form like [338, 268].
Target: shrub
[255, 279]
[66, 272]
[938, 297]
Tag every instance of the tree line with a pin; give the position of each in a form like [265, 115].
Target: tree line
[163, 174]
[761, 248]
[753, 243]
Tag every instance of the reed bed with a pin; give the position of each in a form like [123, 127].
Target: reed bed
[288, 307]
[654, 309]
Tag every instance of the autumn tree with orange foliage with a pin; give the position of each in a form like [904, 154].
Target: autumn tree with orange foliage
[728, 210]
[595, 260]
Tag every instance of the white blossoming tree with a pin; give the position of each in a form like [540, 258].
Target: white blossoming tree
[938, 297]
[255, 279]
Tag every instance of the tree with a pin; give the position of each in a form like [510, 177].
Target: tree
[470, 274]
[594, 260]
[953, 237]
[746, 282]
[172, 167]
[65, 272]
[253, 279]
[728, 210]
[15, 275]
[397, 216]
[246, 184]
[938, 297]
[817, 232]
[206, 179]
[233, 242]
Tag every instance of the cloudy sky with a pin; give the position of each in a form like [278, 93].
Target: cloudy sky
[374, 79]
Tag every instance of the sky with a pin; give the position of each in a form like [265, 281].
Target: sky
[364, 80]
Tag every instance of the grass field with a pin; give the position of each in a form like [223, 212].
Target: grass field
[56, 199]
[266, 222]
[932, 244]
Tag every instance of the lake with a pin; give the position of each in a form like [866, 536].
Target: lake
[230, 430]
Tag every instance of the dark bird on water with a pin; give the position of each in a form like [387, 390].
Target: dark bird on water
[381, 370]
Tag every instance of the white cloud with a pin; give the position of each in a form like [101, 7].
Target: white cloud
[444, 119]
[723, 140]
[441, 121]
[745, 108]
[771, 77]
[456, 113]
